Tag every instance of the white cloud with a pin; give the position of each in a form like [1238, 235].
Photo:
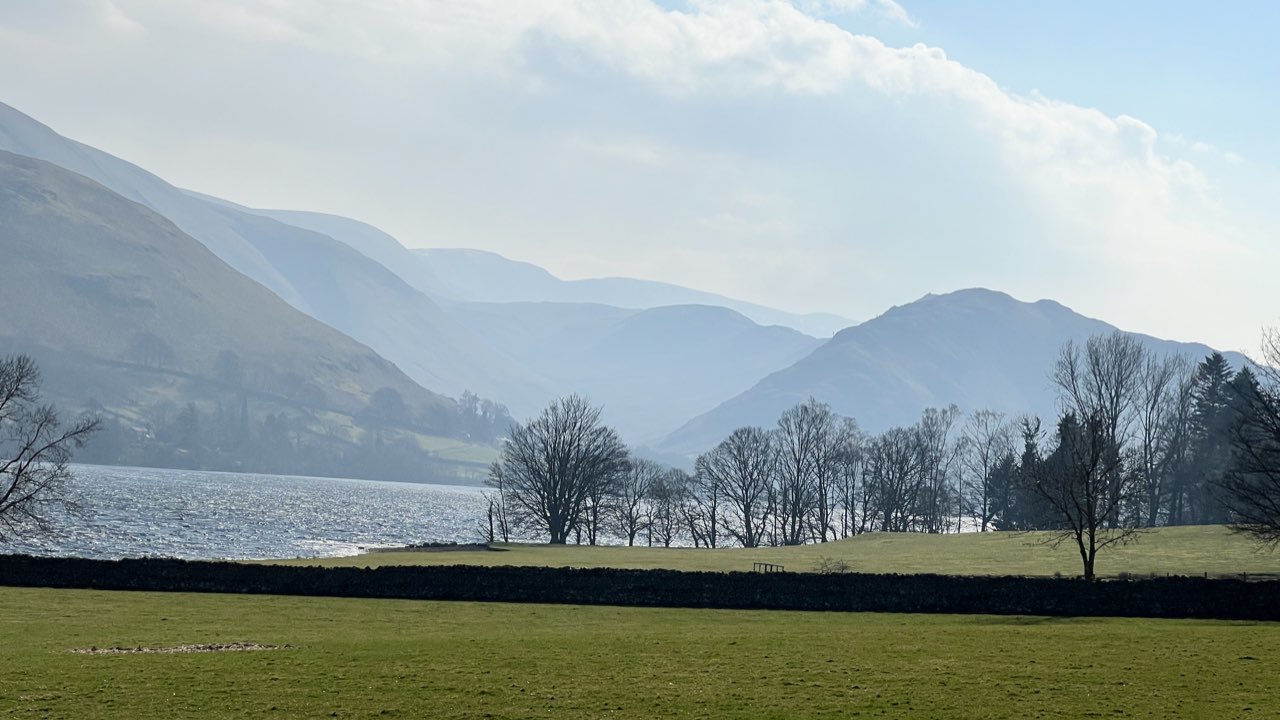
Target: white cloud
[617, 135]
[887, 9]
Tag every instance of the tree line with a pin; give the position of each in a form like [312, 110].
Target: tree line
[1141, 440]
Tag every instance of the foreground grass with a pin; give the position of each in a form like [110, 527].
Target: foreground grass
[388, 658]
[1177, 551]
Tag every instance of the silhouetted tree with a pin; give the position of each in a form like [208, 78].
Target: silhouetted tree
[666, 497]
[632, 496]
[742, 467]
[1086, 484]
[848, 477]
[1162, 436]
[556, 462]
[1102, 383]
[988, 445]
[1252, 482]
[498, 523]
[895, 480]
[1210, 440]
[701, 510]
[939, 465]
[1024, 508]
[35, 449]
[805, 472]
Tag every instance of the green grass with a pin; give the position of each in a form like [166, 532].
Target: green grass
[391, 658]
[457, 450]
[1178, 551]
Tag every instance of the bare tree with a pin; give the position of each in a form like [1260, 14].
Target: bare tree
[598, 508]
[1085, 483]
[553, 465]
[742, 468]
[849, 469]
[894, 480]
[939, 455]
[632, 494]
[499, 521]
[1101, 383]
[805, 472]
[834, 438]
[1162, 435]
[666, 497]
[700, 509]
[988, 442]
[35, 449]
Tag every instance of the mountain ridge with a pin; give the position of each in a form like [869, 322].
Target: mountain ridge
[472, 272]
[976, 348]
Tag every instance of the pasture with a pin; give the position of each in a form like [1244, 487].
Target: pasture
[390, 658]
[1174, 550]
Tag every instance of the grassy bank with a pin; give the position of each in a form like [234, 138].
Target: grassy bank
[386, 658]
[1178, 551]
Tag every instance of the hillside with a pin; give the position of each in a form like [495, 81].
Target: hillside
[129, 315]
[480, 276]
[362, 237]
[318, 275]
[974, 348]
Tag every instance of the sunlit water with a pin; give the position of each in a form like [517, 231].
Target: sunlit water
[136, 512]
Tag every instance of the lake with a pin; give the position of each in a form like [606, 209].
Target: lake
[136, 512]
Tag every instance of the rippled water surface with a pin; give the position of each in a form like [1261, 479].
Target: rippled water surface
[134, 512]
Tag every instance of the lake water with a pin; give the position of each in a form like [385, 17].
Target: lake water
[136, 512]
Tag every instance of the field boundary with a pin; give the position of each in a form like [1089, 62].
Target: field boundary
[1168, 597]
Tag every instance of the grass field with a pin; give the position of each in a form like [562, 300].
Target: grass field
[390, 658]
[1178, 550]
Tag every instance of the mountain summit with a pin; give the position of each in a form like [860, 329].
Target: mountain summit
[975, 348]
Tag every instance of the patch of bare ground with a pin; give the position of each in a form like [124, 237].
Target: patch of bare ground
[178, 649]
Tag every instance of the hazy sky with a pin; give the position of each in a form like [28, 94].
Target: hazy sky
[838, 155]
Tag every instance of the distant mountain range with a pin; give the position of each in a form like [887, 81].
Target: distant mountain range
[91, 279]
[974, 348]
[315, 273]
[418, 311]
[481, 276]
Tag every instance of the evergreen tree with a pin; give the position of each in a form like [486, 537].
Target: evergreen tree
[1211, 394]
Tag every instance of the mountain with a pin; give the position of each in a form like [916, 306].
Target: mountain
[480, 276]
[975, 348]
[127, 308]
[362, 237]
[650, 369]
[318, 275]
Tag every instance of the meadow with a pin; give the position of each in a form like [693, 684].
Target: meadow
[1214, 550]
[392, 658]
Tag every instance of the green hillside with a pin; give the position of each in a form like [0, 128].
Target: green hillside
[1174, 550]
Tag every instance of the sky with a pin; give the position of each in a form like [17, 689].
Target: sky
[814, 155]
